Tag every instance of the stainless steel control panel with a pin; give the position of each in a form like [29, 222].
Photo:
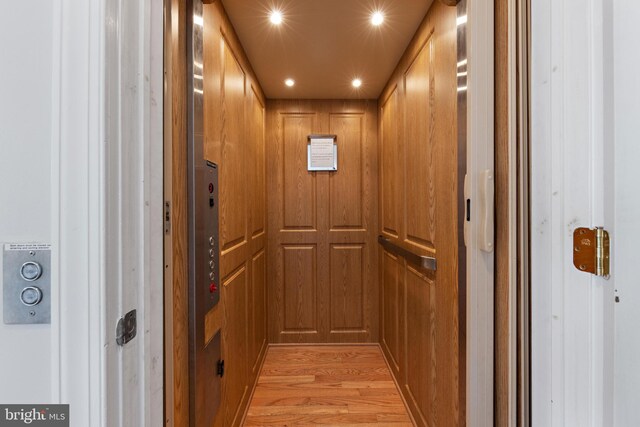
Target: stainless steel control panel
[26, 283]
[207, 244]
[204, 265]
[204, 293]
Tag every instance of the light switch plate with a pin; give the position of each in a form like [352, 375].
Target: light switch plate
[18, 291]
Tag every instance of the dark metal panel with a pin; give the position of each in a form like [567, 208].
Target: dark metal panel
[204, 292]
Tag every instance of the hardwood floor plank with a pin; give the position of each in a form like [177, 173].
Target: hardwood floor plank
[297, 419]
[338, 385]
[394, 418]
[280, 392]
[302, 410]
[286, 379]
[321, 371]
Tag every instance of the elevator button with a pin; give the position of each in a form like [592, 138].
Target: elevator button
[212, 264]
[211, 241]
[212, 276]
[213, 287]
[211, 253]
[30, 271]
[31, 296]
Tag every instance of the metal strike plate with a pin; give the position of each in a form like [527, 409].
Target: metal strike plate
[26, 283]
[591, 250]
[127, 328]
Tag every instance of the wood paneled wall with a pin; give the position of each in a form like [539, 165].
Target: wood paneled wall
[322, 267]
[234, 137]
[502, 257]
[418, 210]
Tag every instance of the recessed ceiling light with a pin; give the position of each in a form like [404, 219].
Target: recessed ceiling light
[377, 18]
[356, 83]
[276, 17]
[290, 82]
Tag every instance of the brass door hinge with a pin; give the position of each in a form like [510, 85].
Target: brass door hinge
[591, 251]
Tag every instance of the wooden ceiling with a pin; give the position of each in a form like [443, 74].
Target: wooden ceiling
[324, 44]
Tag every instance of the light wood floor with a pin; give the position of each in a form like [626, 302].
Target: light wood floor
[330, 385]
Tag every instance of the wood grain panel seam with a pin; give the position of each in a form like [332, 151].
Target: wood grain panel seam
[419, 51]
[395, 382]
[231, 49]
[233, 245]
[234, 274]
[298, 331]
[259, 233]
[259, 253]
[393, 89]
[296, 229]
[254, 384]
[390, 232]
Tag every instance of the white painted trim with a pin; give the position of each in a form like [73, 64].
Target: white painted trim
[77, 216]
[480, 265]
[56, 60]
[609, 48]
[154, 293]
[513, 202]
[82, 338]
[568, 307]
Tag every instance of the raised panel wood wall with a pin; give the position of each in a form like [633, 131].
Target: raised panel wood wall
[234, 135]
[234, 148]
[392, 319]
[418, 203]
[300, 288]
[390, 167]
[300, 198]
[345, 188]
[258, 313]
[234, 292]
[347, 287]
[322, 265]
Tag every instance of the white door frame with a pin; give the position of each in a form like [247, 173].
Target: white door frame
[480, 264]
[585, 109]
[77, 281]
[622, 206]
[87, 209]
[570, 361]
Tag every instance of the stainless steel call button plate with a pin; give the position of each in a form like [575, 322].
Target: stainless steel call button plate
[26, 283]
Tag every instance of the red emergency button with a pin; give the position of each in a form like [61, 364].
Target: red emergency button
[213, 287]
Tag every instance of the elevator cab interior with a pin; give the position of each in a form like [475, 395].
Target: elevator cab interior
[315, 156]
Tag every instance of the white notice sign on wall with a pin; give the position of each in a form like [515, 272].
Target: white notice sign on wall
[322, 154]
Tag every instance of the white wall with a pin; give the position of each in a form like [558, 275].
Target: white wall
[25, 180]
[568, 354]
[626, 101]
[585, 150]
